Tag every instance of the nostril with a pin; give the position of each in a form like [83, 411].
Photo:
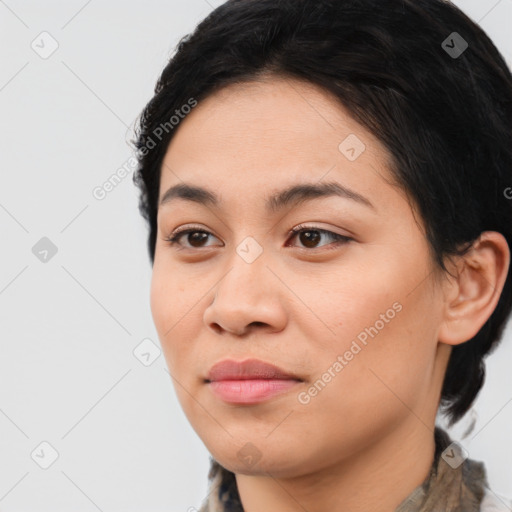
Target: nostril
[257, 324]
[217, 328]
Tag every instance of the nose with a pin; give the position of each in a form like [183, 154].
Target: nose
[248, 297]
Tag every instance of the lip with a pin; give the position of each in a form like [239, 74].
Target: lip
[249, 382]
[229, 369]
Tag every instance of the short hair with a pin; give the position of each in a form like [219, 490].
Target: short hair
[401, 69]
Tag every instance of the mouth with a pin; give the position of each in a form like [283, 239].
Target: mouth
[249, 382]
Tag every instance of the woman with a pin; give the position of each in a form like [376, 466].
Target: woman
[325, 184]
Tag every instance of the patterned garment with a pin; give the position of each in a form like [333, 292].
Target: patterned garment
[464, 489]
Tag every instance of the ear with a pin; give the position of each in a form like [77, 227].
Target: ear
[471, 297]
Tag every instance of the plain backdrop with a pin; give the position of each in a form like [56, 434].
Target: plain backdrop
[78, 392]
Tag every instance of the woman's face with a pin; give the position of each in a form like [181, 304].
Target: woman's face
[356, 320]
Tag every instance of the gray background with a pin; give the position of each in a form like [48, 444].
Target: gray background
[69, 325]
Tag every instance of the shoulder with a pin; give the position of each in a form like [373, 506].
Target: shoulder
[493, 502]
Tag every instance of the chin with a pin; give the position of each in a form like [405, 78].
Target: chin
[277, 465]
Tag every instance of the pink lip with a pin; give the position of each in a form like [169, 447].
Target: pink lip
[250, 391]
[249, 381]
[228, 369]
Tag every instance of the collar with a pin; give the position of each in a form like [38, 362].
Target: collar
[448, 489]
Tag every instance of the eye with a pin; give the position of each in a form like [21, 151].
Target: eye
[174, 238]
[311, 238]
[313, 235]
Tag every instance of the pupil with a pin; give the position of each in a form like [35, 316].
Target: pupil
[309, 239]
[197, 235]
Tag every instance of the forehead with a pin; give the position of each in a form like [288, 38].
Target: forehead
[271, 114]
[258, 136]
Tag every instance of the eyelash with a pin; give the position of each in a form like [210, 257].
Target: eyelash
[339, 239]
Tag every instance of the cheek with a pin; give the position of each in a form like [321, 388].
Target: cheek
[382, 340]
[168, 293]
[168, 312]
[159, 300]
[177, 305]
[346, 305]
[386, 367]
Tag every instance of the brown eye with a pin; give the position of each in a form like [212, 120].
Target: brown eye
[310, 236]
[195, 237]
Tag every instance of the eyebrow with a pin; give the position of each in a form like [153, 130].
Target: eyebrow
[288, 197]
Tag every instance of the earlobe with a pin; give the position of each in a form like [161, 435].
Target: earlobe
[473, 294]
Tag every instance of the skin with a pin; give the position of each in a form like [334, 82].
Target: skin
[365, 441]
